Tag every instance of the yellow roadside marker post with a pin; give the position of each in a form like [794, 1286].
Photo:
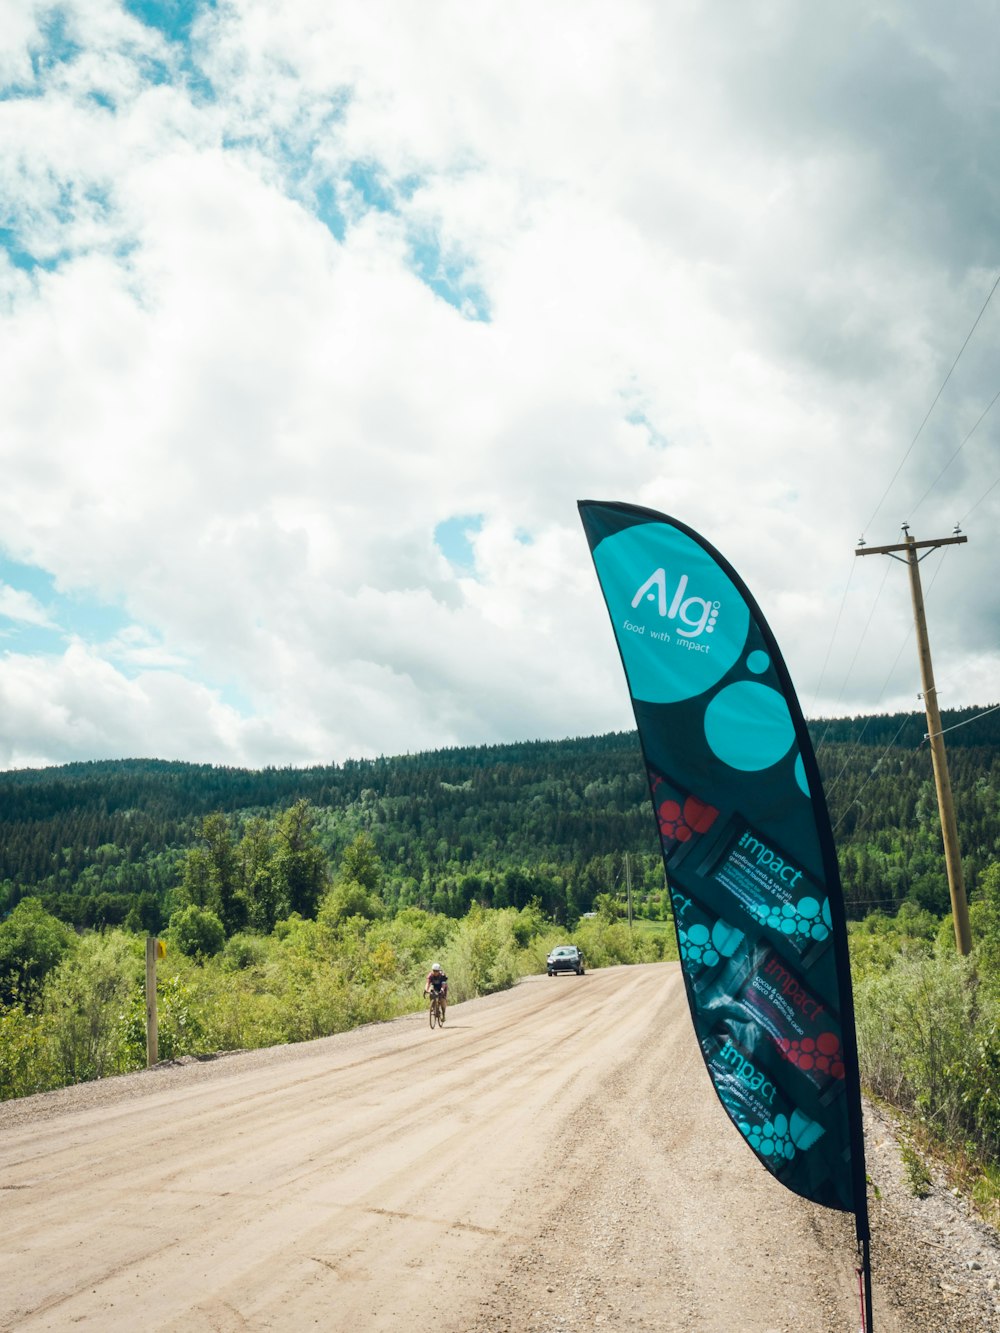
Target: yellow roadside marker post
[154, 949]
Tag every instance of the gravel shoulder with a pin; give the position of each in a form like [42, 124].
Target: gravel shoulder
[555, 1158]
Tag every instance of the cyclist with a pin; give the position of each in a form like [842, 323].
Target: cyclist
[437, 981]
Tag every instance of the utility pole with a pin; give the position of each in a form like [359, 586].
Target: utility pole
[946, 805]
[628, 890]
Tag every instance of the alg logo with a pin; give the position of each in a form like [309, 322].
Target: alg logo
[697, 615]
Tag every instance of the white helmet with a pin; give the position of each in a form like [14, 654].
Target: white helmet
[435, 967]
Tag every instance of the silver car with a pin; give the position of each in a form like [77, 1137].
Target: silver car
[565, 958]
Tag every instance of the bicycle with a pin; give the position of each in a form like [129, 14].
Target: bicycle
[436, 1010]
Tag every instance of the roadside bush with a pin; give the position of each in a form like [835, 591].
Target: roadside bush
[86, 1005]
[243, 951]
[179, 1020]
[482, 955]
[197, 932]
[605, 943]
[879, 941]
[917, 1024]
[975, 1087]
[32, 943]
[26, 1063]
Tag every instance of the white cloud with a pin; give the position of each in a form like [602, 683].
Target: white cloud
[712, 289]
[21, 606]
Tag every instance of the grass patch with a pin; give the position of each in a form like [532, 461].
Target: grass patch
[917, 1176]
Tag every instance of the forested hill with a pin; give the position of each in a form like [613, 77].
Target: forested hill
[551, 819]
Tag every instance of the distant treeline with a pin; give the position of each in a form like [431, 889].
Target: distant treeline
[500, 824]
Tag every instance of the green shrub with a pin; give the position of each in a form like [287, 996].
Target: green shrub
[974, 1076]
[606, 943]
[920, 1024]
[26, 1063]
[86, 1004]
[243, 951]
[197, 932]
[32, 943]
[482, 955]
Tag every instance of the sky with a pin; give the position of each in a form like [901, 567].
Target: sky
[316, 320]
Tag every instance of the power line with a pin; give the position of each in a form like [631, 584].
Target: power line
[934, 403]
[889, 674]
[961, 521]
[963, 724]
[885, 683]
[871, 774]
[833, 639]
[951, 460]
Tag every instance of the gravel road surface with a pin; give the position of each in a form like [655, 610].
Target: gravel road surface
[553, 1159]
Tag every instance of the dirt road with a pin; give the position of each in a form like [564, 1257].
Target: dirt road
[554, 1158]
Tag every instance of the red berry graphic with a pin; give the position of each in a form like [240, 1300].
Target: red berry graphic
[699, 815]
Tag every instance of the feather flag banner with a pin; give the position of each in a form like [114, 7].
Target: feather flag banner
[747, 847]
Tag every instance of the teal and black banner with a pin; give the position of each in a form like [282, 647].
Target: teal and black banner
[749, 855]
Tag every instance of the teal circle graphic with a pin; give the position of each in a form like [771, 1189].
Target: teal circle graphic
[758, 662]
[679, 620]
[748, 726]
[800, 775]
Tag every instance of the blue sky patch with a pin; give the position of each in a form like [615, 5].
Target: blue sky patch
[453, 538]
[59, 48]
[449, 278]
[636, 417]
[327, 208]
[70, 615]
[22, 258]
[173, 18]
[373, 186]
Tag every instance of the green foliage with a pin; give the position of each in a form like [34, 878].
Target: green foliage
[32, 943]
[212, 876]
[86, 1004]
[361, 864]
[26, 1063]
[984, 919]
[197, 932]
[355, 893]
[108, 843]
[179, 1025]
[917, 1176]
[912, 1021]
[929, 1041]
[878, 942]
[482, 954]
[259, 875]
[243, 951]
[300, 864]
[347, 899]
[606, 943]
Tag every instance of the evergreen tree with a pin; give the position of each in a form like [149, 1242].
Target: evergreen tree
[300, 863]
